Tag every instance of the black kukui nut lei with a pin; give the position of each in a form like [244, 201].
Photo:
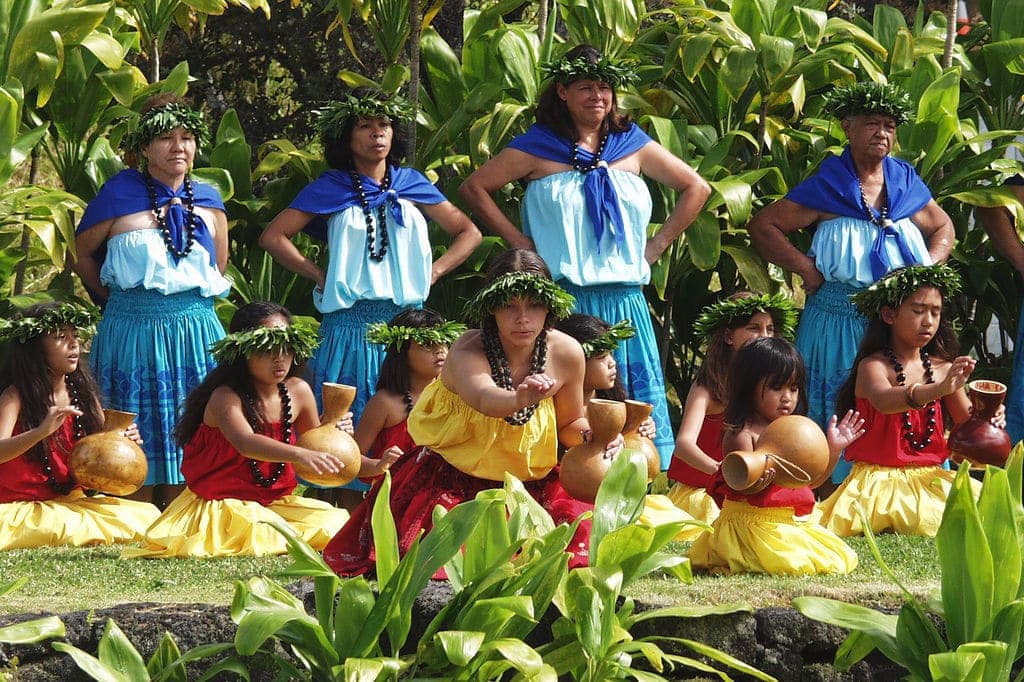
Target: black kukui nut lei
[382, 225]
[286, 437]
[901, 378]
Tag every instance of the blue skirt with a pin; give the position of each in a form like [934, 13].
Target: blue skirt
[344, 356]
[1015, 399]
[643, 378]
[150, 351]
[828, 336]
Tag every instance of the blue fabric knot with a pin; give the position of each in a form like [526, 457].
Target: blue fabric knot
[177, 227]
[603, 205]
[880, 263]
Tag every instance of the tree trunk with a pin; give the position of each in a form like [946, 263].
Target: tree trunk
[415, 29]
[154, 60]
[542, 20]
[26, 234]
[947, 54]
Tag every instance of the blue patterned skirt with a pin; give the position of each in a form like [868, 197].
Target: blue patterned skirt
[344, 356]
[150, 351]
[642, 378]
[828, 337]
[1015, 399]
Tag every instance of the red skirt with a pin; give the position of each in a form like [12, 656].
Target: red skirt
[422, 480]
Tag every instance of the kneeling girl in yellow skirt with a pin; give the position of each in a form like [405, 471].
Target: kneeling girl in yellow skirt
[907, 370]
[250, 403]
[48, 401]
[761, 530]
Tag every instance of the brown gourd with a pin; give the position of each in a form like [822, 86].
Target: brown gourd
[329, 438]
[108, 461]
[636, 413]
[584, 467]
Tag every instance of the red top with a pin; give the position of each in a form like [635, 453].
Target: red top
[883, 442]
[22, 479]
[710, 441]
[215, 470]
[390, 436]
[800, 499]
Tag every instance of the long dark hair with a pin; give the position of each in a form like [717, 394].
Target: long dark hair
[338, 147]
[584, 328]
[24, 367]
[771, 359]
[394, 371]
[944, 345]
[552, 112]
[713, 373]
[234, 375]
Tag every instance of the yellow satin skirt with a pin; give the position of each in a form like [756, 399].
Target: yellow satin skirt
[659, 509]
[694, 501]
[74, 519]
[193, 527]
[748, 539]
[905, 500]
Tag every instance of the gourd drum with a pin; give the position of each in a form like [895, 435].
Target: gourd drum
[792, 452]
[636, 413]
[108, 461]
[977, 439]
[585, 466]
[329, 438]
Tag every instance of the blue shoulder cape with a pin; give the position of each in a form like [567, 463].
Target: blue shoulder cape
[601, 199]
[836, 189]
[126, 193]
[333, 192]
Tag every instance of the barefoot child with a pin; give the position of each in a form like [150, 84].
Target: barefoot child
[762, 532]
[251, 403]
[48, 401]
[907, 370]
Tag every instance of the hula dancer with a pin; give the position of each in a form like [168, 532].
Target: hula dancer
[152, 246]
[47, 402]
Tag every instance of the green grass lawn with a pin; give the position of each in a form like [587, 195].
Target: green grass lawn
[70, 579]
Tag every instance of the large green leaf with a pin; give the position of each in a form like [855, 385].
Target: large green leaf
[620, 498]
[880, 627]
[32, 631]
[91, 665]
[956, 667]
[69, 25]
[998, 520]
[118, 653]
[736, 70]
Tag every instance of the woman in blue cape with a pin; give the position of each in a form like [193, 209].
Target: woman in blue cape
[152, 245]
[367, 209]
[586, 208]
[872, 213]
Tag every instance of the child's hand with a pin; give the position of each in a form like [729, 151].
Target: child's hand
[345, 424]
[132, 434]
[534, 388]
[998, 420]
[321, 462]
[841, 433]
[647, 428]
[56, 415]
[959, 371]
[614, 446]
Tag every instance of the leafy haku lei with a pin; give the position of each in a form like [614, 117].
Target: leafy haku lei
[898, 284]
[606, 70]
[296, 339]
[722, 314]
[608, 341]
[869, 97]
[443, 334]
[157, 121]
[331, 117]
[520, 285]
[82, 319]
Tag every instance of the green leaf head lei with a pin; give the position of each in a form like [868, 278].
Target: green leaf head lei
[525, 285]
[869, 97]
[606, 70]
[333, 116]
[159, 120]
[724, 313]
[296, 339]
[396, 336]
[608, 341]
[892, 289]
[54, 318]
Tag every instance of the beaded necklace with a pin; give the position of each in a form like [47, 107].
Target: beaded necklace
[882, 219]
[908, 434]
[382, 225]
[286, 437]
[161, 219]
[502, 373]
[597, 162]
[65, 447]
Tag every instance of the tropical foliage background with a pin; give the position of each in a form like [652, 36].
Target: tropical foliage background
[734, 88]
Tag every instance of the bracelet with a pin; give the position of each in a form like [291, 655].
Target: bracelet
[909, 395]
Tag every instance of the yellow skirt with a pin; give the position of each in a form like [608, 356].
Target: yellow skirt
[74, 519]
[694, 501]
[194, 527]
[905, 500]
[748, 539]
[659, 509]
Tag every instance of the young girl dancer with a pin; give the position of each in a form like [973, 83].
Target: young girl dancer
[907, 370]
[48, 401]
[251, 403]
[760, 532]
[727, 326]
